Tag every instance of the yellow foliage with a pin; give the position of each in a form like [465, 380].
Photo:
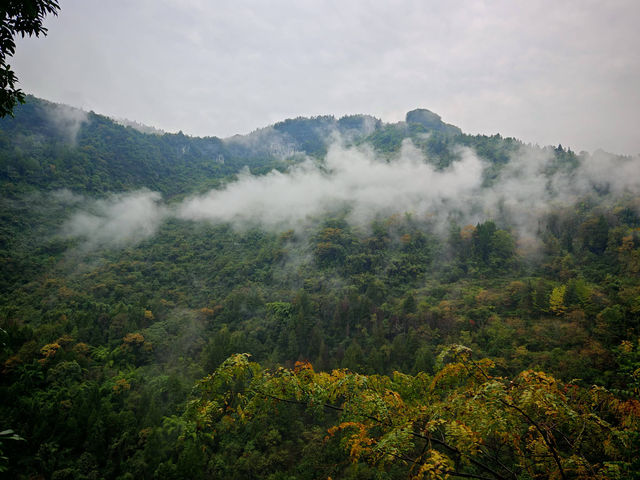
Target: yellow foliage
[533, 377]
[435, 467]
[210, 312]
[50, 350]
[331, 233]
[629, 412]
[464, 412]
[447, 374]
[626, 346]
[466, 232]
[302, 365]
[393, 399]
[556, 300]
[359, 442]
[64, 340]
[464, 437]
[133, 339]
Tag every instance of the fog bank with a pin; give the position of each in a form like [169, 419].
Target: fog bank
[358, 181]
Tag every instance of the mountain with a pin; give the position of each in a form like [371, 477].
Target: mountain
[320, 298]
[51, 146]
[54, 146]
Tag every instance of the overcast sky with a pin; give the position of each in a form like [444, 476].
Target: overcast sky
[547, 72]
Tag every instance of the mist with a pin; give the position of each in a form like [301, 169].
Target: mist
[67, 120]
[359, 181]
[350, 178]
[618, 174]
[117, 221]
[365, 185]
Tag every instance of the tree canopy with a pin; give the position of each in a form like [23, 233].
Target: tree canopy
[18, 17]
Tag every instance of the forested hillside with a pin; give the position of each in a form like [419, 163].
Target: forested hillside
[321, 298]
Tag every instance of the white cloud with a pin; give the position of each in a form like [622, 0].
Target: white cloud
[358, 181]
[116, 221]
[350, 177]
[66, 119]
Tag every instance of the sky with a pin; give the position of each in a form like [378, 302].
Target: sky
[545, 71]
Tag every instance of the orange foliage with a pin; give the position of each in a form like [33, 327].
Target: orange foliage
[302, 365]
[11, 362]
[121, 386]
[210, 312]
[331, 233]
[81, 348]
[466, 232]
[49, 351]
[133, 339]
[359, 442]
[64, 340]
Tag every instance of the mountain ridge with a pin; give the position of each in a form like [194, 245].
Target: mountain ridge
[51, 146]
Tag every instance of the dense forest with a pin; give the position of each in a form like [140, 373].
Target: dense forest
[321, 298]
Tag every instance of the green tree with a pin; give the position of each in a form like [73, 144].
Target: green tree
[463, 422]
[19, 17]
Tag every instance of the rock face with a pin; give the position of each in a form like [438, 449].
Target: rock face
[431, 121]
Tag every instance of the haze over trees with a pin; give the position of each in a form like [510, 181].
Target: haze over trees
[321, 298]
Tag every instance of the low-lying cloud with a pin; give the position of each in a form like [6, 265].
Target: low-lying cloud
[67, 120]
[117, 221]
[358, 181]
[350, 178]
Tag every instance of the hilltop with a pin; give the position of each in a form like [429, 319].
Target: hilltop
[51, 146]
